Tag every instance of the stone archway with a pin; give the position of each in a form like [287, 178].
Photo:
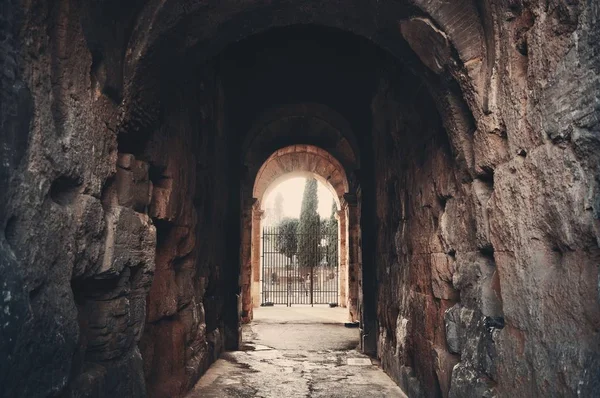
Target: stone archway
[292, 161]
[478, 168]
[301, 158]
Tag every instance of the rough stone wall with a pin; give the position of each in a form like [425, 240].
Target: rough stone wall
[55, 222]
[544, 207]
[184, 330]
[423, 228]
[488, 246]
[93, 194]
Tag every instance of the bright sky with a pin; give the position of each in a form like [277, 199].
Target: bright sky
[292, 191]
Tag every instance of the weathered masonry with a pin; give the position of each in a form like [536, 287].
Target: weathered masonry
[462, 140]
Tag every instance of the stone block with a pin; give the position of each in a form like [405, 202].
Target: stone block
[457, 225]
[186, 240]
[443, 175]
[453, 329]
[109, 334]
[160, 205]
[125, 160]
[142, 194]
[137, 311]
[402, 334]
[474, 277]
[162, 298]
[140, 170]
[490, 150]
[115, 377]
[125, 187]
[444, 364]
[410, 383]
[428, 42]
[130, 242]
[442, 269]
[472, 336]
[482, 191]
[184, 278]
[89, 236]
[420, 274]
[134, 189]
[467, 382]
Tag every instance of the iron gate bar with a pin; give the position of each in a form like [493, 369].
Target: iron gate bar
[285, 281]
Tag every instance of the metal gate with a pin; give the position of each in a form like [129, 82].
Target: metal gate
[304, 272]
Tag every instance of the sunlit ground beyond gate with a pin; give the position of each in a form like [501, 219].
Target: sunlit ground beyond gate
[302, 327]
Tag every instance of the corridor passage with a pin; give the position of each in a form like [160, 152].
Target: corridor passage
[300, 351]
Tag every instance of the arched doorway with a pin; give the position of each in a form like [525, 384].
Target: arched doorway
[313, 161]
[300, 243]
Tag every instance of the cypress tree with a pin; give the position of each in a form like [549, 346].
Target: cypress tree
[333, 211]
[286, 240]
[309, 227]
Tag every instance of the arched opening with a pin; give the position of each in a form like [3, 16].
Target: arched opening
[300, 262]
[312, 161]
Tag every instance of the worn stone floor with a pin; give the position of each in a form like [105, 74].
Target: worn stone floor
[300, 351]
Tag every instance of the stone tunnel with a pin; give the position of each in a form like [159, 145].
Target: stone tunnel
[461, 139]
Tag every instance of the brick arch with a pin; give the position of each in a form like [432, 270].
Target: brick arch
[285, 163]
[298, 160]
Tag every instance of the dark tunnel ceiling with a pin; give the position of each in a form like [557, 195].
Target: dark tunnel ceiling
[301, 64]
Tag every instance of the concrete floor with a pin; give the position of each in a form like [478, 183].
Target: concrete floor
[299, 351]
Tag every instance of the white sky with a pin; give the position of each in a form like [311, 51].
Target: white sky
[292, 191]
